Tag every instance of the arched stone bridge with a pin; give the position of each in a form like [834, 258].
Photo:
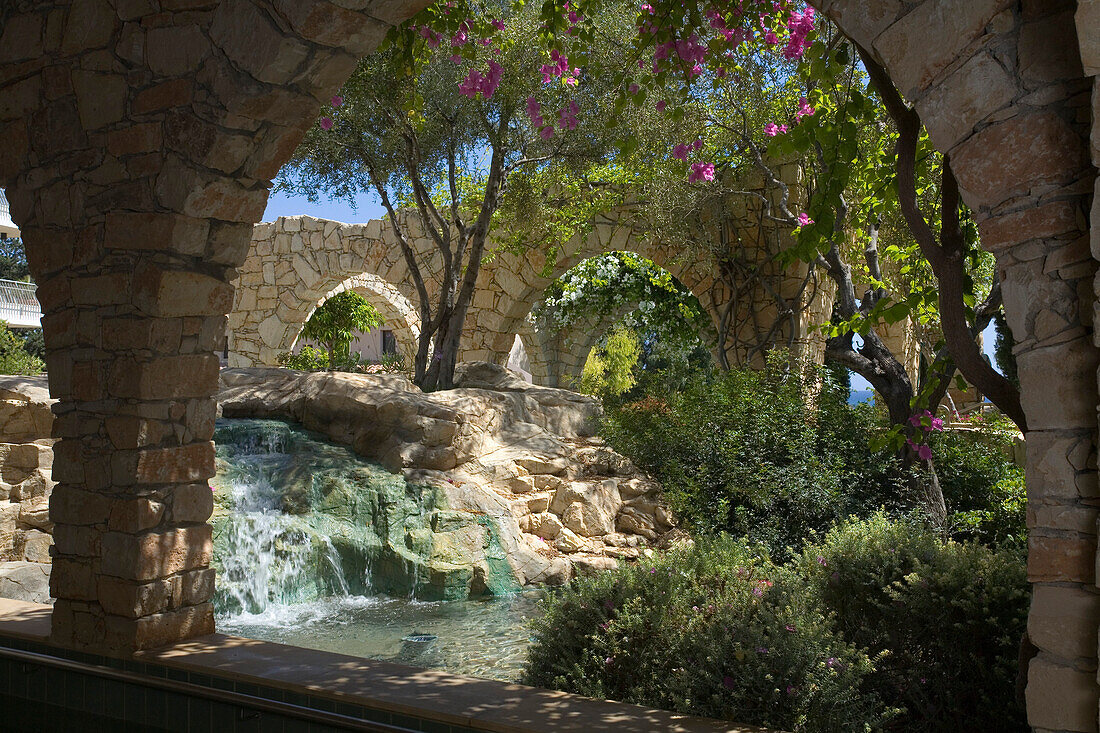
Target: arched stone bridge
[295, 263]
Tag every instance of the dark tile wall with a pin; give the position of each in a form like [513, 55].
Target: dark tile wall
[38, 698]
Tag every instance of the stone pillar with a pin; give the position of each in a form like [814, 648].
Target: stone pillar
[139, 143]
[1087, 20]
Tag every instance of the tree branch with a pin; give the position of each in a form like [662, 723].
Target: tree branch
[947, 254]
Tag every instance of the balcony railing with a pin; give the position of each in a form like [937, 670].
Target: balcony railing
[7, 226]
[18, 305]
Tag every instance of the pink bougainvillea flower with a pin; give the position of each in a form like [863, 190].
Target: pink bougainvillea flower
[326, 123]
[937, 424]
[546, 132]
[476, 83]
[680, 152]
[804, 109]
[459, 39]
[758, 592]
[498, 24]
[567, 117]
[701, 172]
[771, 129]
[924, 452]
[337, 101]
[661, 105]
[456, 58]
[534, 111]
[634, 88]
[804, 219]
[770, 38]
[697, 144]
[800, 25]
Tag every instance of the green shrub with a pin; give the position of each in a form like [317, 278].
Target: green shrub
[609, 369]
[758, 453]
[943, 619]
[1002, 523]
[308, 359]
[983, 488]
[713, 630]
[13, 358]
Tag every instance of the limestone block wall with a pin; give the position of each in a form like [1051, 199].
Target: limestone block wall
[26, 460]
[1084, 612]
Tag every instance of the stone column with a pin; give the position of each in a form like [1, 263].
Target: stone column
[140, 138]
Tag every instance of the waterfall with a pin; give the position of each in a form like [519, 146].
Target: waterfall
[298, 519]
[266, 555]
[318, 548]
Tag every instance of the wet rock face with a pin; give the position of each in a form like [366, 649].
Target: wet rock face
[298, 518]
[523, 455]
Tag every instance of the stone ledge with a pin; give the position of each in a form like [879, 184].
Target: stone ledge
[428, 694]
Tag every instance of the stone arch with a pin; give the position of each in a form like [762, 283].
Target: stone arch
[140, 148]
[294, 264]
[561, 353]
[398, 314]
[138, 155]
[518, 281]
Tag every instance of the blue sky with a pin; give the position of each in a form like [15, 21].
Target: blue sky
[282, 204]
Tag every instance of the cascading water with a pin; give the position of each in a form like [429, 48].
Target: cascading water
[265, 554]
[316, 547]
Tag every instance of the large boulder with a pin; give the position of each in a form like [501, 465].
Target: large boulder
[522, 454]
[25, 409]
[25, 581]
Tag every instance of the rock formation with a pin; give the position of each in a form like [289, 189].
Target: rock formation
[523, 454]
[560, 501]
[26, 457]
